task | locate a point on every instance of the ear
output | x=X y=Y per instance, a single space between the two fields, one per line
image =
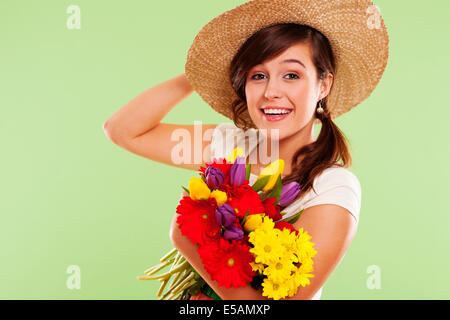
x=325 y=86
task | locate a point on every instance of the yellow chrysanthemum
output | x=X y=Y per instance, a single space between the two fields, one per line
x=280 y=271
x=288 y=238
x=289 y=241
x=284 y=257
x=302 y=278
x=305 y=250
x=267 y=224
x=274 y=290
x=306 y=266
x=267 y=247
x=292 y=286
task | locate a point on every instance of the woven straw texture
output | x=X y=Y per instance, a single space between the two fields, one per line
x=361 y=50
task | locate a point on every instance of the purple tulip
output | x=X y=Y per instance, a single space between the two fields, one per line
x=288 y=193
x=233 y=233
x=225 y=215
x=214 y=177
x=237 y=172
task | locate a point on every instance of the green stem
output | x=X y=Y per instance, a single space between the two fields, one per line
x=183 y=283
x=168 y=255
x=158 y=267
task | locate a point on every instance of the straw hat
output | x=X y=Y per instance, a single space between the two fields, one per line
x=354 y=28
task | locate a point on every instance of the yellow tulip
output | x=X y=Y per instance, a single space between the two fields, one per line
x=273 y=170
x=198 y=189
x=234 y=154
x=253 y=221
x=220 y=196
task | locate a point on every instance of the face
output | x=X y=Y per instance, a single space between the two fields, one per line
x=277 y=86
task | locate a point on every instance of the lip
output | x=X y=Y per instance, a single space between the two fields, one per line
x=276 y=107
x=275 y=118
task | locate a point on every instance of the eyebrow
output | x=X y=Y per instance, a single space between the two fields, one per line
x=293 y=61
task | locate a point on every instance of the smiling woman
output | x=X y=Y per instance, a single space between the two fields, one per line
x=278 y=92
x=278 y=74
x=281 y=74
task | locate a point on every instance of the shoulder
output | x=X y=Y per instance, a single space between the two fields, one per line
x=337 y=176
x=339 y=186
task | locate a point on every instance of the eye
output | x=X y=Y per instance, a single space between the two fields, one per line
x=255 y=75
x=296 y=76
x=260 y=74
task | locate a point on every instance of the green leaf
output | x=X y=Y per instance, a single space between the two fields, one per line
x=247 y=171
x=294 y=218
x=261 y=183
x=283 y=213
x=186 y=190
x=202 y=176
x=276 y=191
x=244 y=218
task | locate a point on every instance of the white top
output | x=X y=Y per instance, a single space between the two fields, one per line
x=335 y=185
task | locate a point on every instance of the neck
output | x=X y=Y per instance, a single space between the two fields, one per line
x=288 y=146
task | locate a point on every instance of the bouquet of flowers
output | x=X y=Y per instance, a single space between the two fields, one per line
x=240 y=232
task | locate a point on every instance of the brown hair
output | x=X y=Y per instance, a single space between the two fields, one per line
x=267 y=43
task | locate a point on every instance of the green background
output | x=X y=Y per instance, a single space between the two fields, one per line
x=72 y=197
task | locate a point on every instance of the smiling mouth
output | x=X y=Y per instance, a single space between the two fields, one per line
x=275 y=115
x=276 y=111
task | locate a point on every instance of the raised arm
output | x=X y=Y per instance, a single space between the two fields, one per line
x=146 y=111
x=137 y=127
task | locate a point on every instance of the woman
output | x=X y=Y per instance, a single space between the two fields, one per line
x=279 y=70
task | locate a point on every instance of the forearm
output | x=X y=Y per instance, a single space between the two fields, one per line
x=147 y=110
x=189 y=251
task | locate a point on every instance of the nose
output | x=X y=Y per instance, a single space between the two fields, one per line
x=272 y=90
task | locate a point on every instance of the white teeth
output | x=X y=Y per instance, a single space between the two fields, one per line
x=276 y=111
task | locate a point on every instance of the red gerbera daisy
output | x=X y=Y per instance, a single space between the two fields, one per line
x=227 y=262
x=197 y=219
x=272 y=210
